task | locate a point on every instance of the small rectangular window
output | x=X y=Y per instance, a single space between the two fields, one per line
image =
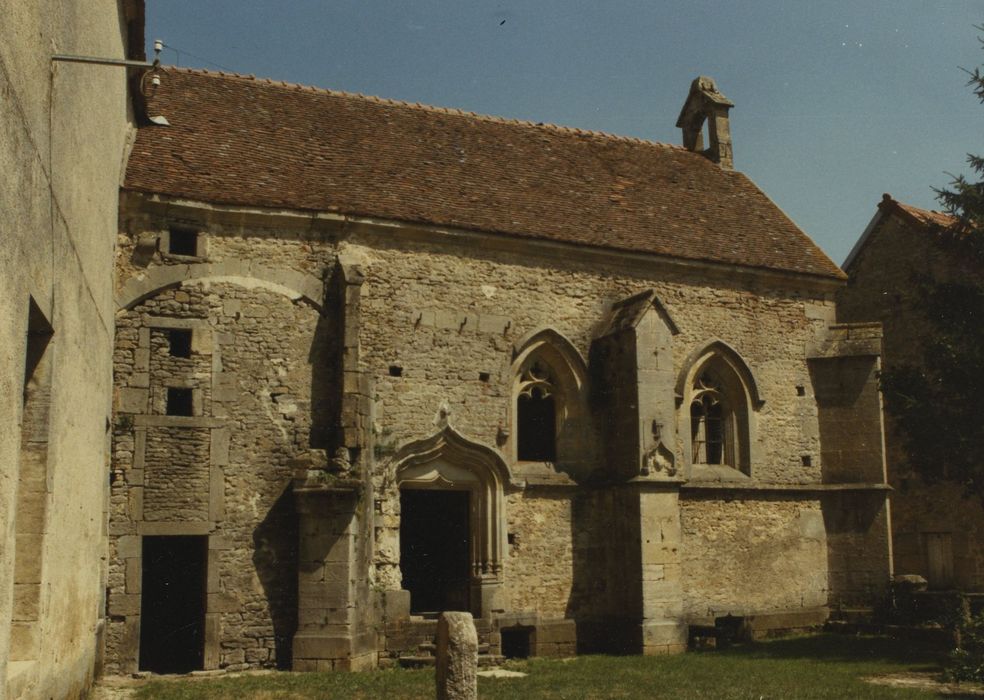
x=179 y=342
x=179 y=401
x=182 y=241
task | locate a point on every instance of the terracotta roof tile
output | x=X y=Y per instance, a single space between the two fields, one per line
x=934 y=219
x=241 y=141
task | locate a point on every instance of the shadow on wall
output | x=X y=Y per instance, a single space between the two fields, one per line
x=326 y=382
x=275 y=559
x=857 y=550
x=604 y=596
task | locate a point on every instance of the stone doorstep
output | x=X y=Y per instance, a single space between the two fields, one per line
x=756 y=626
x=855 y=615
x=424 y=633
x=798 y=619
x=431 y=648
x=423 y=661
x=557 y=637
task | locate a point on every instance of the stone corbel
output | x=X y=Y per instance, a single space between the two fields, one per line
x=315 y=473
x=659 y=460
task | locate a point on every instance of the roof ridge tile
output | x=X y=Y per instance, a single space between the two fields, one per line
x=454 y=111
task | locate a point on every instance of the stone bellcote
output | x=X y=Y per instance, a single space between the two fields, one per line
x=706 y=103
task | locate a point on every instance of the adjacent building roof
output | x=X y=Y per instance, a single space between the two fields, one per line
x=935 y=222
x=236 y=140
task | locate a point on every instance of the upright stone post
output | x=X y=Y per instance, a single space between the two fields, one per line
x=457 y=657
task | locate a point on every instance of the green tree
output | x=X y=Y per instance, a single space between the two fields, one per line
x=965 y=199
x=938 y=405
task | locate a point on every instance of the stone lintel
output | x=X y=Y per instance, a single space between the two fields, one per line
x=173 y=528
x=170 y=322
x=163 y=421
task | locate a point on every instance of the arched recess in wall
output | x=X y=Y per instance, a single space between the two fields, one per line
x=718 y=399
x=295 y=286
x=290 y=283
x=447 y=460
x=549 y=416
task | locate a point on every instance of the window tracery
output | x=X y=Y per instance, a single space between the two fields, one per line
x=711 y=430
x=537 y=414
x=549 y=428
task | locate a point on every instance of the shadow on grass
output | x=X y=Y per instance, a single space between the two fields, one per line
x=843 y=649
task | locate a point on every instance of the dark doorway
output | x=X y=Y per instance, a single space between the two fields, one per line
x=434 y=549
x=172 y=610
x=516 y=642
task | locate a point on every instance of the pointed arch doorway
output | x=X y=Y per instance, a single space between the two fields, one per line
x=451 y=523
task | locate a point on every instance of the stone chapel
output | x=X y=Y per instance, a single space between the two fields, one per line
x=376 y=360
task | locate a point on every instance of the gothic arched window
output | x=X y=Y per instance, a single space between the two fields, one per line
x=536 y=412
x=712 y=431
x=549 y=430
x=718 y=400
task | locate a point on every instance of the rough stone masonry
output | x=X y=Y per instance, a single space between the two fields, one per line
x=457 y=657
x=348 y=414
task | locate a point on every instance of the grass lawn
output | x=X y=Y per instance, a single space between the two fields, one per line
x=825 y=666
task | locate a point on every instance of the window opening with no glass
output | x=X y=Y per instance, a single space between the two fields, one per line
x=182 y=241
x=179 y=401
x=710 y=419
x=179 y=342
x=537 y=412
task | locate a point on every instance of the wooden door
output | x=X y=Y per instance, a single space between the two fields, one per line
x=939 y=559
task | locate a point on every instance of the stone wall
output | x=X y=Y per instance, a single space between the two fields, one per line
x=540 y=565
x=882 y=288
x=426 y=310
x=752 y=554
x=223 y=472
x=922 y=512
x=858 y=548
x=439 y=301
x=64 y=130
x=439 y=328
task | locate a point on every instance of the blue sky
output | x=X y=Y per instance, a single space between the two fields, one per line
x=836 y=101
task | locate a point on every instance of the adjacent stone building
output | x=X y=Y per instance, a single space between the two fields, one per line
x=64 y=128
x=937 y=530
x=377 y=360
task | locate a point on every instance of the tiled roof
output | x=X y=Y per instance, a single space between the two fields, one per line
x=935 y=220
x=237 y=140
